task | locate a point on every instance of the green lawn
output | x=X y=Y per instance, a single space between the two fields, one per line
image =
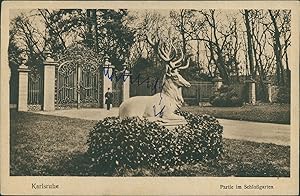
x=275 y=113
x=44 y=145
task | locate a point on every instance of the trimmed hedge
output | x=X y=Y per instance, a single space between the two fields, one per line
x=201 y=138
x=116 y=143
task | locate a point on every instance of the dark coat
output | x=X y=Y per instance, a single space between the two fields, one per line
x=108 y=97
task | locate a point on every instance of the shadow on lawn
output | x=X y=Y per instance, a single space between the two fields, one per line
x=77 y=165
x=80 y=165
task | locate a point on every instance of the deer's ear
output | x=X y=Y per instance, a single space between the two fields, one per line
x=168 y=71
x=168 y=74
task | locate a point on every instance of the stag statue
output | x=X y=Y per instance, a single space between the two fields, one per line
x=163 y=104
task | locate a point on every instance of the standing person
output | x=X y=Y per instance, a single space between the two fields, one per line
x=108 y=98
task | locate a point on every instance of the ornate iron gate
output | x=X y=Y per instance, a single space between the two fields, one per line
x=35 y=88
x=78 y=80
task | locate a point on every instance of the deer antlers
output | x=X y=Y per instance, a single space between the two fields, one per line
x=165 y=53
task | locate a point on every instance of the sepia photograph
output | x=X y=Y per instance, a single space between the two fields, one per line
x=127 y=92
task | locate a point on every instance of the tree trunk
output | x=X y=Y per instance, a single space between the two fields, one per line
x=223 y=72
x=288 y=71
x=277 y=51
x=198 y=53
x=96 y=30
x=183 y=33
x=89 y=36
x=249 y=40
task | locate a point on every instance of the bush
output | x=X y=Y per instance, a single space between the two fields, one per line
x=283 y=95
x=225 y=97
x=134 y=143
x=201 y=138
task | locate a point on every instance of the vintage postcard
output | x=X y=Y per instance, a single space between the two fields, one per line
x=149 y=98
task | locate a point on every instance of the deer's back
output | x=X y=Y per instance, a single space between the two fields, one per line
x=135 y=106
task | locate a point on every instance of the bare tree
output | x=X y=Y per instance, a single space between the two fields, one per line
x=24 y=36
x=280 y=21
x=152 y=24
x=28 y=35
x=187 y=23
x=182 y=21
x=219 y=38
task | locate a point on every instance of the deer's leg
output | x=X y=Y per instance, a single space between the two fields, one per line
x=172 y=116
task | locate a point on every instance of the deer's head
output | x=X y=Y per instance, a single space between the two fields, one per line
x=168 y=54
x=173 y=74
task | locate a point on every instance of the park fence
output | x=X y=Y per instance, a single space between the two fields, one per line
x=198 y=92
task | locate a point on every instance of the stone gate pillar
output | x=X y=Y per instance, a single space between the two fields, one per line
x=49 y=83
x=126 y=84
x=251 y=91
x=108 y=69
x=23 y=83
